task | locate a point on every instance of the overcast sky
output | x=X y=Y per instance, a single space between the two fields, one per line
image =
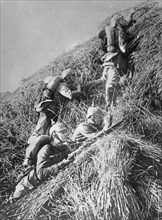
x=33 y=33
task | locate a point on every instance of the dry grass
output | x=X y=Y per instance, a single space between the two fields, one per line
x=106 y=180
x=118 y=177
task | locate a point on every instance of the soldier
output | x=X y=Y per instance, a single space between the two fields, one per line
x=56 y=92
x=115 y=38
x=96 y=124
x=50 y=159
x=112 y=79
x=68 y=77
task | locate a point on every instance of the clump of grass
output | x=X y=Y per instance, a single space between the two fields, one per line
x=105 y=181
x=147 y=81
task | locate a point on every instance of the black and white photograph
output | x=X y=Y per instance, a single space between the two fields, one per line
x=81 y=110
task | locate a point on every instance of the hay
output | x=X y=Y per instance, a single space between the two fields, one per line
x=119 y=176
x=108 y=184
x=147 y=81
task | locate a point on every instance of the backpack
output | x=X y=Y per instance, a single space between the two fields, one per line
x=111 y=36
x=51 y=84
x=33 y=149
x=116 y=36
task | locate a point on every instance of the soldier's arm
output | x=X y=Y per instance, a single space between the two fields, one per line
x=48 y=166
x=87 y=132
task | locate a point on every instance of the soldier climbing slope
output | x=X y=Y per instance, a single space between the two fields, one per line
x=112 y=79
x=115 y=38
x=56 y=92
x=95 y=125
x=48 y=162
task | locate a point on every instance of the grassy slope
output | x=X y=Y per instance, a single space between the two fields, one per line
x=119 y=176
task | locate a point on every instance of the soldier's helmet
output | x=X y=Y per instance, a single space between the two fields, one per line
x=94 y=111
x=58 y=127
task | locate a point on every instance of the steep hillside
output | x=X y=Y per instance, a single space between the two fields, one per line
x=119 y=176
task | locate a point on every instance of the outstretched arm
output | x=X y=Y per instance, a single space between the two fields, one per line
x=47 y=161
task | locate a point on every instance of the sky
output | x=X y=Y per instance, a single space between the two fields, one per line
x=35 y=32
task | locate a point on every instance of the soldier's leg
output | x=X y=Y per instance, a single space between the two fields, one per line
x=42 y=124
x=109 y=97
x=20 y=190
x=41 y=127
x=115 y=95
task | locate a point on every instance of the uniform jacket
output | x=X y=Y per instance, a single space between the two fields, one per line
x=48 y=157
x=55 y=100
x=84 y=131
x=47 y=165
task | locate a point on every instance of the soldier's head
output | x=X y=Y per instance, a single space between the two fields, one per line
x=95 y=115
x=67 y=75
x=59 y=132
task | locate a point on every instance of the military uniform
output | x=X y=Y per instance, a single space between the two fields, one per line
x=48 y=108
x=84 y=131
x=111 y=78
x=48 y=158
x=47 y=165
x=96 y=124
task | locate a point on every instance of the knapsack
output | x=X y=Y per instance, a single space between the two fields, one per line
x=51 y=84
x=112 y=39
x=116 y=35
x=33 y=149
